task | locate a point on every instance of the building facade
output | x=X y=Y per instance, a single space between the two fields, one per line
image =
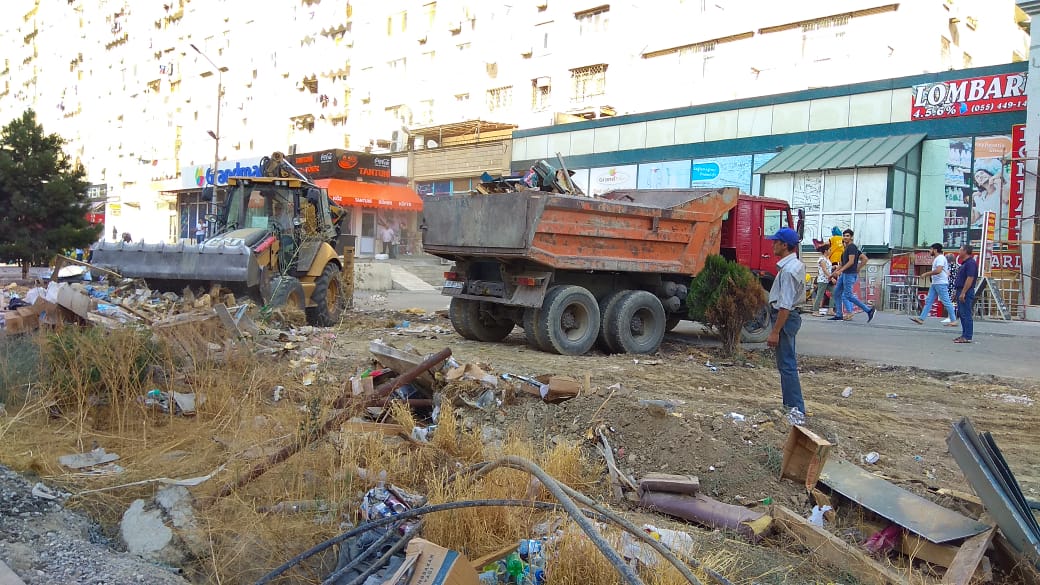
x=904 y=162
x=143 y=91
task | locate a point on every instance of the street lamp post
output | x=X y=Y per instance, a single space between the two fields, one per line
x=220 y=95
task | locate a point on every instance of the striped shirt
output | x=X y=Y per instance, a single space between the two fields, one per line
x=788 y=290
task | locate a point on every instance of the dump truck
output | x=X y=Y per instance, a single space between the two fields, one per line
x=276 y=239
x=574 y=271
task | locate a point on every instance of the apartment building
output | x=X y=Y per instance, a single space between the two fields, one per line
x=136 y=87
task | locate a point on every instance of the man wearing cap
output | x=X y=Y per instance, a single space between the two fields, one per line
x=787 y=292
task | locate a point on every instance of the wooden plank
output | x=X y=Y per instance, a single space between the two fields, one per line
x=836 y=551
x=968 y=558
x=371 y=427
x=225 y=318
x=917 y=547
x=8 y=577
x=1012 y=561
x=492 y=557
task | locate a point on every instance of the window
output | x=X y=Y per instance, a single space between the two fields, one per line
x=696 y=60
x=967 y=60
x=397 y=23
x=772 y=221
x=430 y=13
x=541 y=91
x=824 y=38
x=462 y=98
x=540 y=42
x=462 y=47
x=398 y=66
x=588 y=82
x=593 y=21
x=400 y=113
x=425 y=112
x=499 y=98
x=946 y=60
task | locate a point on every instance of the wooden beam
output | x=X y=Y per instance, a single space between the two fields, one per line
x=492 y=557
x=836 y=551
x=968 y=558
x=1012 y=561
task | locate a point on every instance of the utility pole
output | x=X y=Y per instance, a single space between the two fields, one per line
x=220 y=97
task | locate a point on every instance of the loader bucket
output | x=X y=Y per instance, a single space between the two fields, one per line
x=226 y=259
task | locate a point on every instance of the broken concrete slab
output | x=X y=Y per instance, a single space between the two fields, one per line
x=93 y=458
x=147 y=536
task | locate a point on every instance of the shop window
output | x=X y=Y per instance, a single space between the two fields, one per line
x=463 y=185
x=838 y=187
x=433 y=187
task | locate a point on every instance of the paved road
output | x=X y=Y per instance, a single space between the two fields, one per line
x=1000 y=348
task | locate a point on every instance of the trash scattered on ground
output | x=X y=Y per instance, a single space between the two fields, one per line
x=872 y=457
x=816 y=516
x=846 y=392
x=1013 y=399
x=90 y=459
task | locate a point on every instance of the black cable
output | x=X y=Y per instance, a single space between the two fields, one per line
x=378 y=544
x=414 y=513
x=383 y=560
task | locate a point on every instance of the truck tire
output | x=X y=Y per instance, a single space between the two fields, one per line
x=327 y=297
x=530 y=325
x=607 y=311
x=569 y=320
x=672 y=322
x=477 y=322
x=757 y=329
x=637 y=323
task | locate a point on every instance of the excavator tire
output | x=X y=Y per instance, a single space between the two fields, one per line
x=328 y=299
x=286 y=290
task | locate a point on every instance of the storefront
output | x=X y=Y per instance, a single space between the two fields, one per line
x=191 y=209
x=903 y=162
x=377 y=208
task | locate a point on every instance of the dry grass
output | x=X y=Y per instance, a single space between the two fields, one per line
x=97 y=378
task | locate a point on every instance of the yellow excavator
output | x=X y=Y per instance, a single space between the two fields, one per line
x=277 y=240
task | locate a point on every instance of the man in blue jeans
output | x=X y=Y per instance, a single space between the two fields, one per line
x=787 y=292
x=967 y=275
x=940 y=287
x=845 y=280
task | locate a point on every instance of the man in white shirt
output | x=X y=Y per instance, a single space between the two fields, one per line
x=785 y=295
x=940 y=288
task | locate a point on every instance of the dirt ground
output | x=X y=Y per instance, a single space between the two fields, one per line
x=903 y=414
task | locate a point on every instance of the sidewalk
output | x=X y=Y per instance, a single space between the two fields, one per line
x=901 y=321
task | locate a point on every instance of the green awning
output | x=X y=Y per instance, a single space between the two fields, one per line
x=843 y=154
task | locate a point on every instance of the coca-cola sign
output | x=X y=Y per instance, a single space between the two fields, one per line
x=990 y=94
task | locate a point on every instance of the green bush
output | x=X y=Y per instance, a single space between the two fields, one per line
x=725 y=295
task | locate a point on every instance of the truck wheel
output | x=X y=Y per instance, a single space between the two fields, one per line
x=569 y=320
x=531 y=317
x=672 y=322
x=459 y=320
x=478 y=321
x=637 y=323
x=757 y=329
x=328 y=299
x=607 y=312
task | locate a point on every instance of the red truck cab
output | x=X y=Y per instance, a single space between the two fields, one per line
x=744 y=232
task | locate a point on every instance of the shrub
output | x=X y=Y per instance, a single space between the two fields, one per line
x=725 y=295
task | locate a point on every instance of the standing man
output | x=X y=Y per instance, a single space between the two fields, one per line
x=967 y=275
x=845 y=278
x=787 y=292
x=940 y=274
x=200 y=231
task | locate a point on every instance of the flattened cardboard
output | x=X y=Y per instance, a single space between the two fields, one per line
x=429 y=564
x=560 y=388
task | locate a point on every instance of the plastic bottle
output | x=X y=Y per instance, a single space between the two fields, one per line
x=515 y=568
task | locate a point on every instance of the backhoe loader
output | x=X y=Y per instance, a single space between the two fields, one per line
x=277 y=240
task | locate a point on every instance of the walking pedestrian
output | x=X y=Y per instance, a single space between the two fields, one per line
x=845 y=278
x=823 y=278
x=967 y=276
x=785 y=295
x=940 y=287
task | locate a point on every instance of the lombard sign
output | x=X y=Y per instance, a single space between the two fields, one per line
x=968 y=97
x=343 y=164
x=202 y=175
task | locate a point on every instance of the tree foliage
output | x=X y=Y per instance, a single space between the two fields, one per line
x=43 y=196
x=725 y=295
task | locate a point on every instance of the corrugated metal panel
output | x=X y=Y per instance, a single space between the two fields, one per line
x=844 y=154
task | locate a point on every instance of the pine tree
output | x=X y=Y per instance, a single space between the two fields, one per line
x=43 y=196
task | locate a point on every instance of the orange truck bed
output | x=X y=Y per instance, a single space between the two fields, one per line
x=668 y=231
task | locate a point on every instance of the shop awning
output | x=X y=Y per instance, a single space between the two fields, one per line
x=843 y=154
x=371 y=195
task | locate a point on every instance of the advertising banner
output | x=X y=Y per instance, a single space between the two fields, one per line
x=1018 y=184
x=722 y=171
x=343 y=164
x=665 y=175
x=989 y=94
x=606 y=179
x=991 y=188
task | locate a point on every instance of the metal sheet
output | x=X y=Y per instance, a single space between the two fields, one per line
x=916 y=514
x=978 y=464
x=843 y=154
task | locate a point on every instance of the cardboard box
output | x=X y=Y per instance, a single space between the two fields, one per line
x=13 y=323
x=805 y=454
x=560 y=388
x=429 y=564
x=49 y=313
x=30 y=318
